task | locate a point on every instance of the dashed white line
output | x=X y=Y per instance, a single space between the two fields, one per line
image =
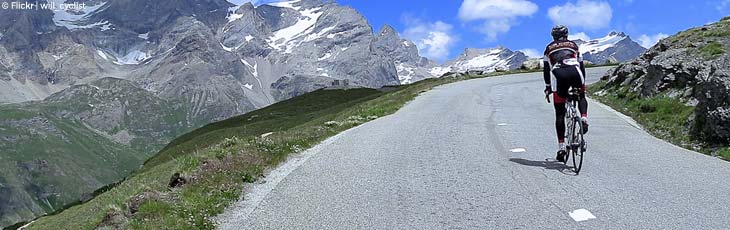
x=581 y=215
x=518 y=150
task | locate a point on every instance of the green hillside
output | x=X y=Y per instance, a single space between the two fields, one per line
x=58 y=151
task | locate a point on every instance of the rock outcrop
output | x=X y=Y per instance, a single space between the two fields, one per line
x=693 y=66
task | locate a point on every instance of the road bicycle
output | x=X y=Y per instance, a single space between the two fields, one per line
x=575 y=142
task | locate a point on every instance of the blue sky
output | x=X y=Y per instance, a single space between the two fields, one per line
x=442 y=29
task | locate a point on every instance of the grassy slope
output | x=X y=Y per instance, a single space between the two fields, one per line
x=663 y=116
x=219 y=158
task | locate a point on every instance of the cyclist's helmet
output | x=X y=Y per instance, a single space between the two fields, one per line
x=559 y=32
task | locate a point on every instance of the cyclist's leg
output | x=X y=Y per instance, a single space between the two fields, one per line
x=578 y=81
x=559 y=105
x=561 y=90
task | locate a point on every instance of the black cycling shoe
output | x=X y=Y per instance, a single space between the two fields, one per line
x=561 y=156
x=585 y=127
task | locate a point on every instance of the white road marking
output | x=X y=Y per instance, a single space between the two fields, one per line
x=581 y=215
x=518 y=150
x=502 y=124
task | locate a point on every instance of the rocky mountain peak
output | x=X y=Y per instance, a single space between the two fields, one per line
x=246 y=7
x=388 y=31
x=618 y=34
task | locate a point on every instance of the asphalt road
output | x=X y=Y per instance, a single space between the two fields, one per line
x=444 y=161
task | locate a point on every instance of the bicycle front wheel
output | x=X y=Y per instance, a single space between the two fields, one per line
x=577 y=146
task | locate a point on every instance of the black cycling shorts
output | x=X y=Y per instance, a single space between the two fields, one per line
x=566 y=77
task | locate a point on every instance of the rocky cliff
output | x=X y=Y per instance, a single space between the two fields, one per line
x=692 y=66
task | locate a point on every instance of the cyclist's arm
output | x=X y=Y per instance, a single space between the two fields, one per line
x=546 y=71
x=583 y=71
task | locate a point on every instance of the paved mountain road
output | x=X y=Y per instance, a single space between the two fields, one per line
x=444 y=161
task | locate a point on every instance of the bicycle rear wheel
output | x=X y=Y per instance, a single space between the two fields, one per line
x=577 y=146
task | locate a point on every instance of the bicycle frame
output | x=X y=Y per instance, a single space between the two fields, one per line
x=571 y=118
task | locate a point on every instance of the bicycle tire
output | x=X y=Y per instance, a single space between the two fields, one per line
x=578 y=152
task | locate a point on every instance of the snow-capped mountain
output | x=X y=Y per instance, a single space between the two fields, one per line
x=272 y=52
x=488 y=60
x=613 y=48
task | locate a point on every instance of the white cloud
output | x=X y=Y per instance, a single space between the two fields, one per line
x=722 y=5
x=582 y=36
x=647 y=41
x=498 y=16
x=533 y=53
x=584 y=14
x=434 y=40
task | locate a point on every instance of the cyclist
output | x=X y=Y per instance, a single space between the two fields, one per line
x=563 y=68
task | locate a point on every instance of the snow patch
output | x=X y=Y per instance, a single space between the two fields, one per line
x=102 y=55
x=282 y=39
x=134 y=57
x=438 y=71
x=77 y=19
x=335 y=34
x=321 y=33
x=326 y=56
x=405 y=73
x=287 y=4
x=248 y=86
x=232 y=15
x=144 y=36
x=229 y=49
x=248 y=38
x=253 y=69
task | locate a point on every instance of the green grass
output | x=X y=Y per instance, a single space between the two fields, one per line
x=725 y=154
x=712 y=49
x=221 y=157
x=664 y=117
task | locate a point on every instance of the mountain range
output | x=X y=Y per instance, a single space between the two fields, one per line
x=88 y=95
x=616 y=47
